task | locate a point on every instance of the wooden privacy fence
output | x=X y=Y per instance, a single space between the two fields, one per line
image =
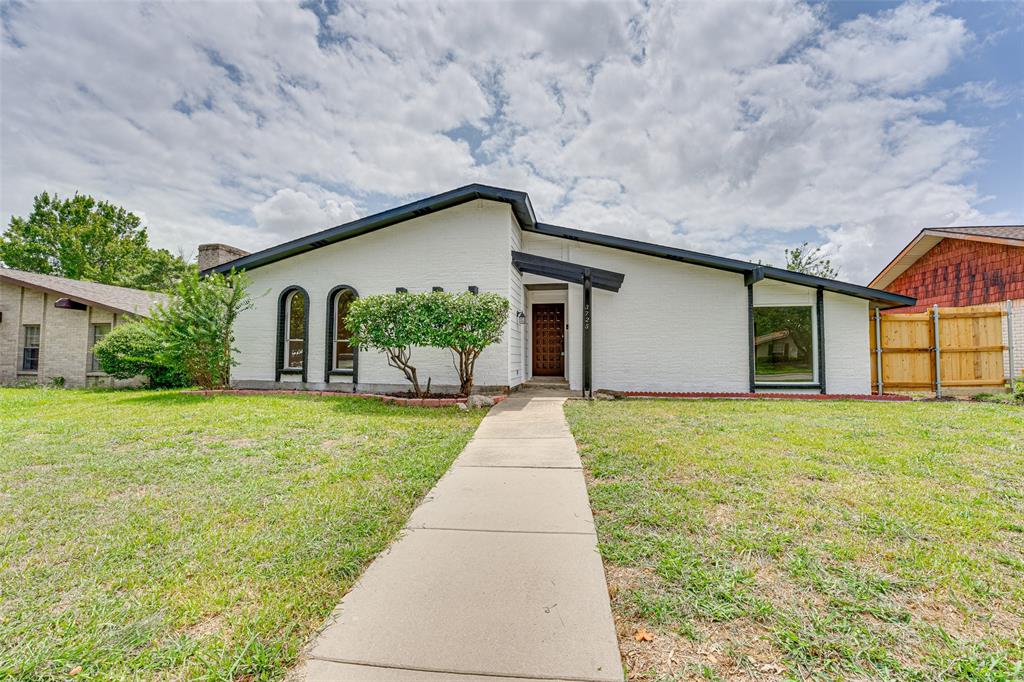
x=969 y=349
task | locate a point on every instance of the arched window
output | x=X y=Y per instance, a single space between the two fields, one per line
x=342 y=357
x=292 y=332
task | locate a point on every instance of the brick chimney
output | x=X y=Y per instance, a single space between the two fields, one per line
x=212 y=255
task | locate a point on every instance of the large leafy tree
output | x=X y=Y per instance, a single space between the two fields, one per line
x=810 y=261
x=84 y=238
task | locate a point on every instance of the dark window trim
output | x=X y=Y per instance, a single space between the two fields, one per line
x=22 y=366
x=282 y=324
x=819 y=342
x=329 y=369
x=92 y=359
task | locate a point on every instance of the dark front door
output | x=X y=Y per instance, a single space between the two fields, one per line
x=548 y=339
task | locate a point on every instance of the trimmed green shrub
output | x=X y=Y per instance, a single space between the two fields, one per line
x=464 y=323
x=133 y=349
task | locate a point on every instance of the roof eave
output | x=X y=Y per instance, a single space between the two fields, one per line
x=752 y=271
x=519 y=201
x=81 y=299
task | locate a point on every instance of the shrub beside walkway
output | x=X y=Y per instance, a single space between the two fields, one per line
x=497 y=572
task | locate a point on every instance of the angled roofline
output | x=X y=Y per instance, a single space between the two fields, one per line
x=520 y=202
x=897 y=266
x=523 y=211
x=5 y=276
x=752 y=272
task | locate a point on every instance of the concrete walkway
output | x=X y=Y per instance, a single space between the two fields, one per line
x=496 y=577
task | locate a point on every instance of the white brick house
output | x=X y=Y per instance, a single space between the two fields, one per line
x=48 y=326
x=595 y=311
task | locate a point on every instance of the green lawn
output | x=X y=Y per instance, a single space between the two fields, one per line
x=799 y=539
x=158 y=535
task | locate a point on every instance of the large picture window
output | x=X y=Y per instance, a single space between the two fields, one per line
x=784 y=349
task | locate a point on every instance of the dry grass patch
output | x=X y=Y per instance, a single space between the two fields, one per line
x=840 y=540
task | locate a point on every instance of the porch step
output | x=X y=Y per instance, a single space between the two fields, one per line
x=554 y=384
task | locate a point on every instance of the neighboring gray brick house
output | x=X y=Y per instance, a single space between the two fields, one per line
x=49 y=324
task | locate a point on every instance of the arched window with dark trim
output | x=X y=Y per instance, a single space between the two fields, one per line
x=292 y=331
x=341 y=356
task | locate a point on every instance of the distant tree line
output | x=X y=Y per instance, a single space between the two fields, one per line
x=84 y=238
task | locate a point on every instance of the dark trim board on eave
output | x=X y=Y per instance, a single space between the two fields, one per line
x=547 y=286
x=522 y=209
x=752 y=272
x=519 y=201
x=567 y=272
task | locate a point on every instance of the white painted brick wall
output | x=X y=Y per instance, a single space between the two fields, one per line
x=516 y=373
x=1016 y=327
x=671 y=327
x=847 y=344
x=462 y=246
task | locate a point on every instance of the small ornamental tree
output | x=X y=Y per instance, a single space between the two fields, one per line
x=465 y=324
x=393 y=324
x=196 y=327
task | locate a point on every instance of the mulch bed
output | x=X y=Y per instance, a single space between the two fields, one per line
x=390 y=399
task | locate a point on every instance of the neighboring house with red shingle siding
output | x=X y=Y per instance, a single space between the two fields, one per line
x=954 y=267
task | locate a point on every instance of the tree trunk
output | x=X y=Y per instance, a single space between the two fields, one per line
x=399 y=359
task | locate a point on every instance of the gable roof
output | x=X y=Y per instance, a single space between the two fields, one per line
x=523 y=211
x=119 y=299
x=928 y=238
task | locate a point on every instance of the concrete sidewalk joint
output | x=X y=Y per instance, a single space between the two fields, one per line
x=496 y=576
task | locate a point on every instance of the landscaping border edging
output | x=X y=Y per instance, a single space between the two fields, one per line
x=887 y=397
x=389 y=399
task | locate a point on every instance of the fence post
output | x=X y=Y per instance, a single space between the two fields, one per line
x=878 y=350
x=1009 y=343
x=938 y=353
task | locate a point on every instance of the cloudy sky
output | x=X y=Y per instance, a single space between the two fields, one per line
x=732 y=128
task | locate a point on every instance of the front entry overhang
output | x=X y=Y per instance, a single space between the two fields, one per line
x=576 y=274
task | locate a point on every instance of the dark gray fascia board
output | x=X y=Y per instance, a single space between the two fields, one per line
x=645 y=248
x=523 y=211
x=567 y=272
x=752 y=272
x=519 y=201
x=883 y=299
